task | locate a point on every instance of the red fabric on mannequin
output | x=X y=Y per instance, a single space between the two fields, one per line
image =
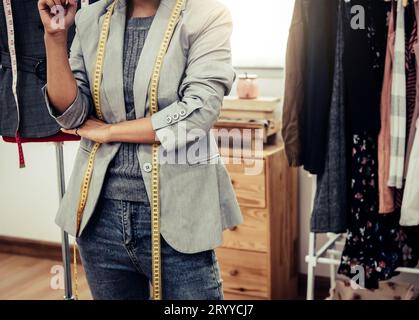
x=59 y=137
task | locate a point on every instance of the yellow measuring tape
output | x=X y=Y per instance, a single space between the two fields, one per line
x=153 y=98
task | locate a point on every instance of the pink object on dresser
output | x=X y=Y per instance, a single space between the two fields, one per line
x=247 y=87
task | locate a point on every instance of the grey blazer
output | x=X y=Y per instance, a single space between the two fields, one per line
x=197 y=197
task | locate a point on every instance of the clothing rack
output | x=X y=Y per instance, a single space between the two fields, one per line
x=329 y=255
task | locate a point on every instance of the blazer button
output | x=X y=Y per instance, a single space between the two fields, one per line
x=148 y=167
x=169 y=119
x=182 y=112
x=176 y=116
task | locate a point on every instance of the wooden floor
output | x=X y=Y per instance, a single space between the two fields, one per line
x=26 y=278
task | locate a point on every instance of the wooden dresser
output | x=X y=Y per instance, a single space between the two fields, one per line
x=259 y=259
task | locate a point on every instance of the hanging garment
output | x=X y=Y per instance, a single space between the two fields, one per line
x=398 y=104
x=35 y=121
x=411 y=76
x=410 y=207
x=374 y=242
x=386 y=193
x=329 y=213
x=410 y=25
x=411 y=39
x=322 y=22
x=415 y=114
x=294 y=84
x=364 y=59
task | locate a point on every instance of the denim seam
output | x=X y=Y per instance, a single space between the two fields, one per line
x=131 y=254
x=216 y=276
x=129 y=247
x=124 y=226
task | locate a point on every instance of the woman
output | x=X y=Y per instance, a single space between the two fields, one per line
x=196 y=196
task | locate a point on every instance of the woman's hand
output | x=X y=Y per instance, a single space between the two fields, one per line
x=138 y=131
x=94 y=130
x=57 y=15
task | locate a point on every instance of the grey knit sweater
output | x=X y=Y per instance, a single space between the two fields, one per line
x=124 y=180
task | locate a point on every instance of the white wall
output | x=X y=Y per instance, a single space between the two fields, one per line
x=29 y=197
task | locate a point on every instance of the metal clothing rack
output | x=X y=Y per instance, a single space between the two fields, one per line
x=65 y=248
x=329 y=255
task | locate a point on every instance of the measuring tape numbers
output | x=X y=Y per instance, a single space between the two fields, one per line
x=11 y=43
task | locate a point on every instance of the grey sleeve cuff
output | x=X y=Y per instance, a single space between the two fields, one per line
x=176 y=112
x=74 y=116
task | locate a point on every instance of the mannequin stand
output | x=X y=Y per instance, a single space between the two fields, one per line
x=65 y=248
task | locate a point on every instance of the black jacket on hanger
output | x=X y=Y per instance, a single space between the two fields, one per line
x=321 y=44
x=31 y=59
x=363 y=59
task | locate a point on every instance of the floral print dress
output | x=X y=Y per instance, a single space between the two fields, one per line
x=375 y=242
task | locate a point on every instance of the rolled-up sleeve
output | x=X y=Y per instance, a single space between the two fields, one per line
x=209 y=76
x=82 y=107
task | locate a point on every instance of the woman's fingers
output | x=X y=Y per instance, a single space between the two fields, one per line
x=44 y=7
x=89 y=124
x=71 y=131
x=92 y=129
x=72 y=7
x=49 y=9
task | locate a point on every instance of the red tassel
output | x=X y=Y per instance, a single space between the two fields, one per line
x=20 y=151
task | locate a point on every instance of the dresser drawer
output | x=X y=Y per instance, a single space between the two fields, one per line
x=250 y=188
x=252 y=234
x=244 y=272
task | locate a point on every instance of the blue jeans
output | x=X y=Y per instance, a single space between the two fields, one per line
x=116 y=254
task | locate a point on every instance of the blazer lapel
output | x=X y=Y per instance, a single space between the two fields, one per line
x=149 y=54
x=113 y=64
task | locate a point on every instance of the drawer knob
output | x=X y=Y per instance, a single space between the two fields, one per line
x=233 y=182
x=233 y=229
x=234 y=273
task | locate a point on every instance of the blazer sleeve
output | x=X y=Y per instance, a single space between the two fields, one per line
x=82 y=107
x=209 y=76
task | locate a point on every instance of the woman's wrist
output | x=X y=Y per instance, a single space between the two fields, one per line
x=133 y=131
x=59 y=38
x=111 y=133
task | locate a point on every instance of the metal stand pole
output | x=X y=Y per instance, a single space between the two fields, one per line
x=332 y=267
x=311 y=259
x=311 y=266
x=64 y=236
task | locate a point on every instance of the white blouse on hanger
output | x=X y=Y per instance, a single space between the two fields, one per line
x=410 y=207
